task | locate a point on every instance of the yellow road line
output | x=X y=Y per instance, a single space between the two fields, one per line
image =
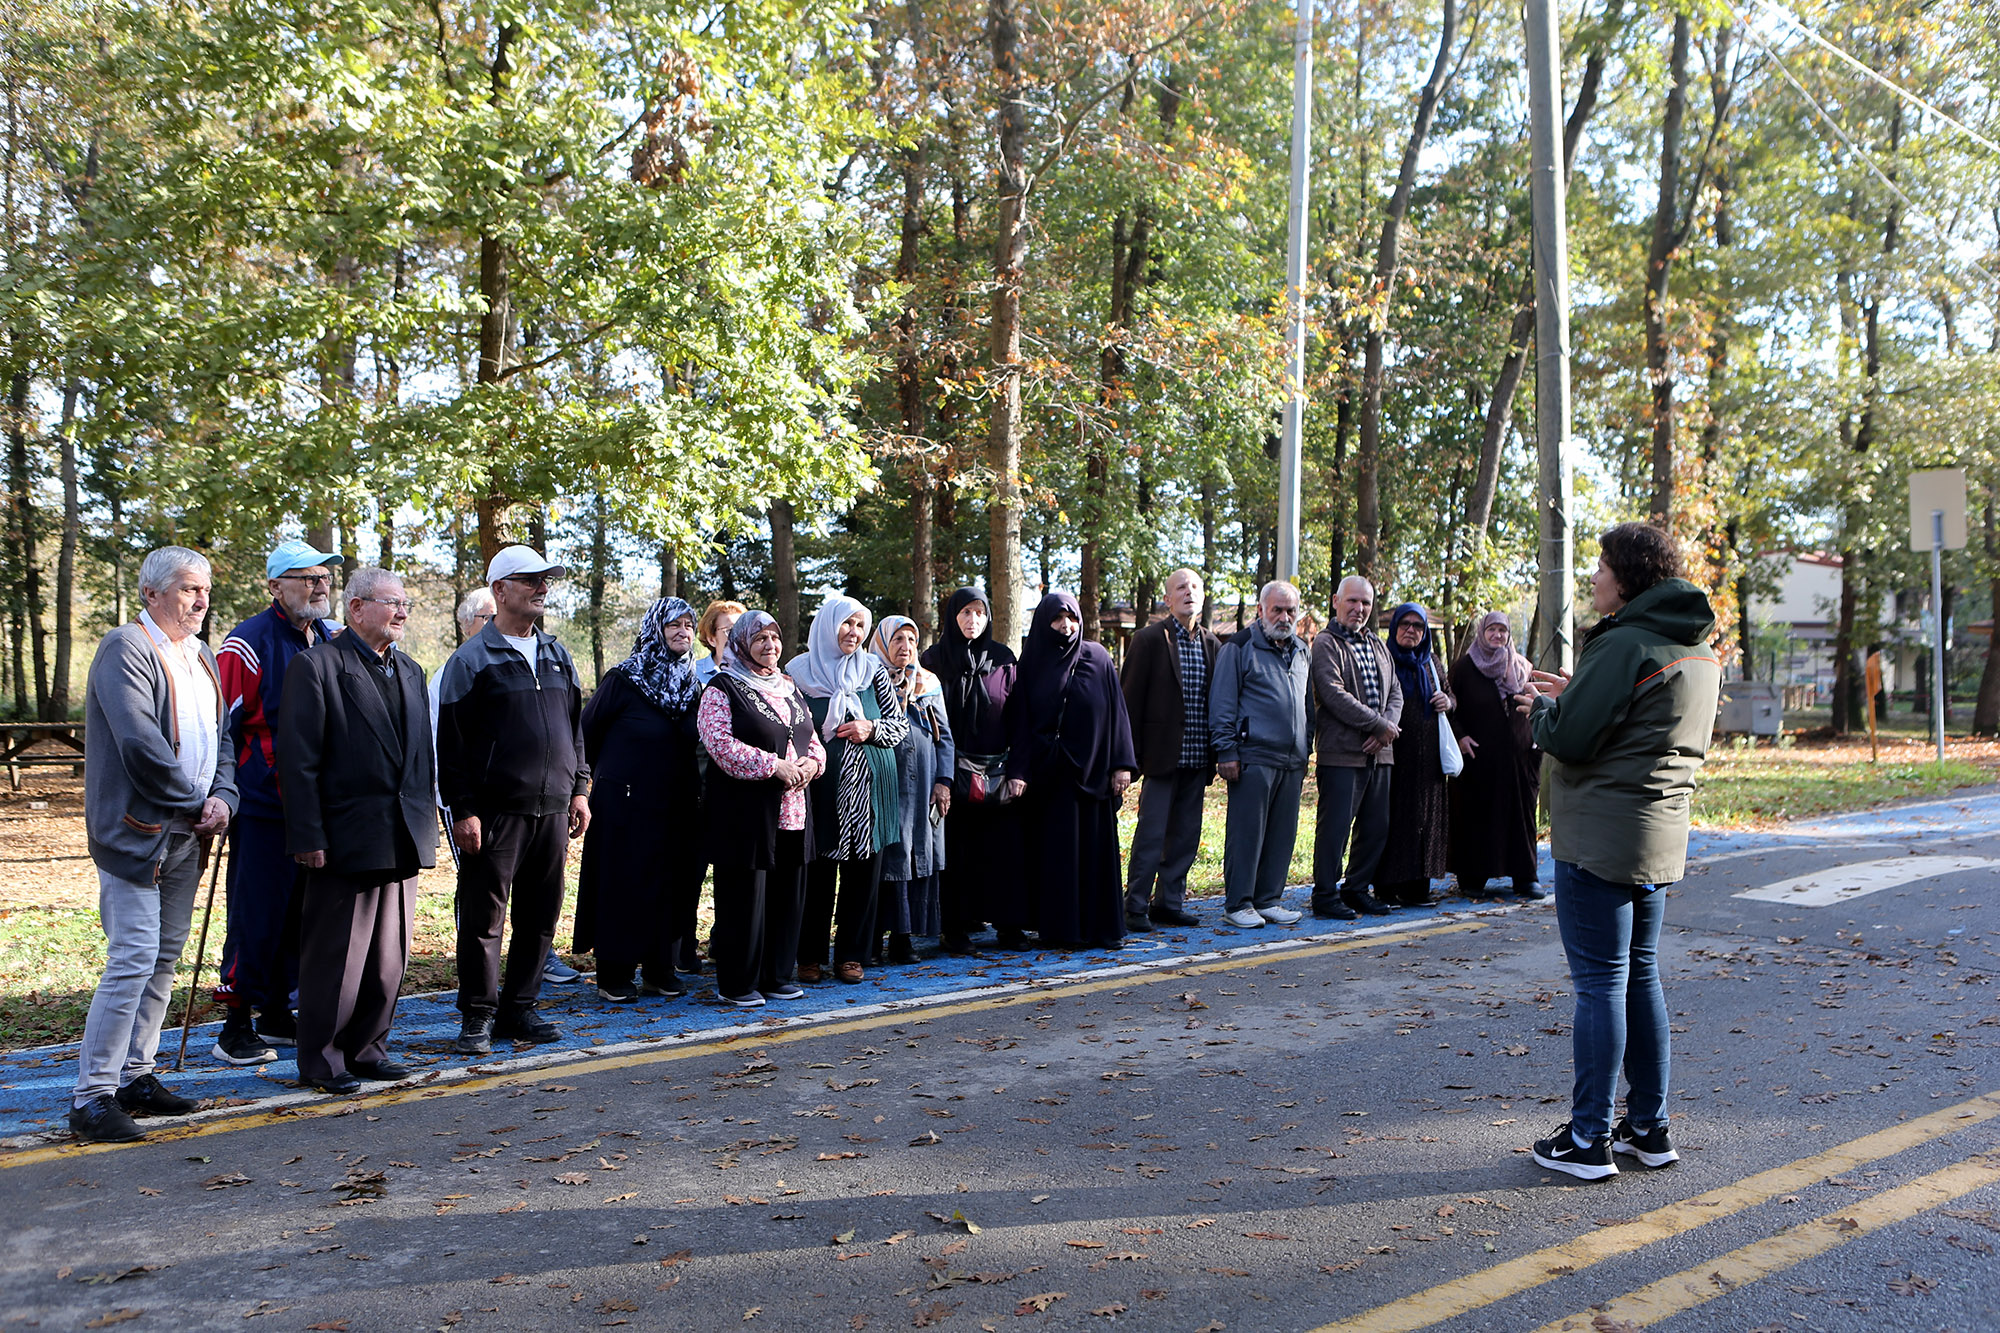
x=1477 y=1290
x=1794 y=1245
x=587 y=1064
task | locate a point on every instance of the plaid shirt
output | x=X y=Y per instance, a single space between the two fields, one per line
x=1194 y=696
x=1365 y=661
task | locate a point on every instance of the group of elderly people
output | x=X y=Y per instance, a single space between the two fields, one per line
x=848 y=800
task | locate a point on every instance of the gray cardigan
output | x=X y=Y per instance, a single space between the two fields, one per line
x=133 y=785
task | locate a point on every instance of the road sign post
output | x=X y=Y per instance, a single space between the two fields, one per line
x=1937 y=523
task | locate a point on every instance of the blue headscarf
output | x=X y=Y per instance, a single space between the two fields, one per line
x=1416 y=668
x=662 y=675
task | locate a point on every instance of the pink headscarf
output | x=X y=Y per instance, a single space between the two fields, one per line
x=1503 y=666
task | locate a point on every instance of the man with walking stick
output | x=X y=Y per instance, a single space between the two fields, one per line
x=159 y=785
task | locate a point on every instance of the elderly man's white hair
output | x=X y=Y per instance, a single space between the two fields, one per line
x=1277 y=585
x=479 y=602
x=162 y=569
x=363 y=584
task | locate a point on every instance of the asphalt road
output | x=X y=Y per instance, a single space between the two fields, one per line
x=1328 y=1133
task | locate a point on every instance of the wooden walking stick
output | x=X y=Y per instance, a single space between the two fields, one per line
x=200 y=948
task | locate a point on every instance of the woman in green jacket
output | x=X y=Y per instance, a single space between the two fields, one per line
x=1627 y=732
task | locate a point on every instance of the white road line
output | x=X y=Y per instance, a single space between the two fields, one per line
x=1839 y=884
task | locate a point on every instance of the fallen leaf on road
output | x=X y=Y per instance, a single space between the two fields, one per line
x=612 y=1305
x=572 y=1178
x=148 y=1190
x=1344 y=1266
x=1200 y=1222
x=1266 y=1235
x=1037 y=1303
x=1604 y=1323
x=225 y=1180
x=109 y=1318
x=1910 y=1284
x=934 y=1313
x=926 y=1139
x=677 y=1257
x=1230 y=1272
x=515 y=1207
x=620 y=1198
x=837 y=1156
x=1085 y=1244
x=106 y=1279
x=1114 y=1308
x=752 y=1313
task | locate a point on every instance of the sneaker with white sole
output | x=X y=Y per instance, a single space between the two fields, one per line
x=785 y=990
x=1559 y=1152
x=555 y=972
x=1653 y=1148
x=1247 y=918
x=747 y=1000
x=1279 y=916
x=238 y=1042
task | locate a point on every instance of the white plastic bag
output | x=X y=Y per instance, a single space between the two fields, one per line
x=1449 y=754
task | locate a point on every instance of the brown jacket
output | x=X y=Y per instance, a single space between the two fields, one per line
x=1151 y=682
x=1343 y=718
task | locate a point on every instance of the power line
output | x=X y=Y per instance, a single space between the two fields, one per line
x=1867 y=159
x=1880 y=78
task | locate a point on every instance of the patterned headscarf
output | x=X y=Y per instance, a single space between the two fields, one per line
x=662 y=675
x=1505 y=667
x=822 y=671
x=912 y=682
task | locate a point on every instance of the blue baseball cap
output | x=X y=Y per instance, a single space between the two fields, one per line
x=292 y=555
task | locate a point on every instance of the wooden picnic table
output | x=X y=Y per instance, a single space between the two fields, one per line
x=17 y=738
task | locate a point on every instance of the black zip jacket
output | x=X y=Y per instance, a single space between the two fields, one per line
x=510 y=737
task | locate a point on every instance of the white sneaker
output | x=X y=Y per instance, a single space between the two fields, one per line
x=1248 y=918
x=1279 y=916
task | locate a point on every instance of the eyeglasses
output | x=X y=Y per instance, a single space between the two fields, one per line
x=317 y=580
x=393 y=603
x=532 y=580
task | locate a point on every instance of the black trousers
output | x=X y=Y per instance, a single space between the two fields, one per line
x=520 y=858
x=646 y=924
x=355 y=943
x=755 y=942
x=1352 y=801
x=853 y=922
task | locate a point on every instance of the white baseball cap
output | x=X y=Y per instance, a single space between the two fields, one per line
x=514 y=560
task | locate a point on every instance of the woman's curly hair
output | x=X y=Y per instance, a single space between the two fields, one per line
x=1639 y=555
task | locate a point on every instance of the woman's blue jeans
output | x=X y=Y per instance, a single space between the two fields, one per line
x=1611 y=933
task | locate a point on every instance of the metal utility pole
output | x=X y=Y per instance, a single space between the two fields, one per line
x=1555 y=644
x=1937 y=637
x=1295 y=299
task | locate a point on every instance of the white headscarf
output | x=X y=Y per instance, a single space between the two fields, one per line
x=822 y=671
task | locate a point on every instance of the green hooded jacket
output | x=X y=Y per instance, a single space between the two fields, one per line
x=1628 y=734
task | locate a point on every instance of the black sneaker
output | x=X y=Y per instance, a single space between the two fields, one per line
x=475 y=1036
x=616 y=992
x=1652 y=1148
x=279 y=1027
x=1559 y=1152
x=239 y=1044
x=146 y=1095
x=103 y=1120
x=672 y=988
x=783 y=990
x=524 y=1025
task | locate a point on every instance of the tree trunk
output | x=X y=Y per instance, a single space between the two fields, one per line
x=1520 y=335
x=670 y=571
x=1986 y=711
x=1010 y=257
x=1367 y=461
x=600 y=560
x=910 y=392
x=1659 y=268
x=23 y=505
x=72 y=527
x=495 y=318
x=785 y=569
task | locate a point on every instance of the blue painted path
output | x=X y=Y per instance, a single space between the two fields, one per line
x=35 y=1084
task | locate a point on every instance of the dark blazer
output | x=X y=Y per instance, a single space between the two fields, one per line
x=355 y=783
x=1152 y=685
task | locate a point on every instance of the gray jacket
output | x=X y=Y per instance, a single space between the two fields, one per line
x=1257 y=701
x=1345 y=721
x=133 y=786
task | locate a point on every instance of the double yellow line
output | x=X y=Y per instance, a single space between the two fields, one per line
x=1682 y=1291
